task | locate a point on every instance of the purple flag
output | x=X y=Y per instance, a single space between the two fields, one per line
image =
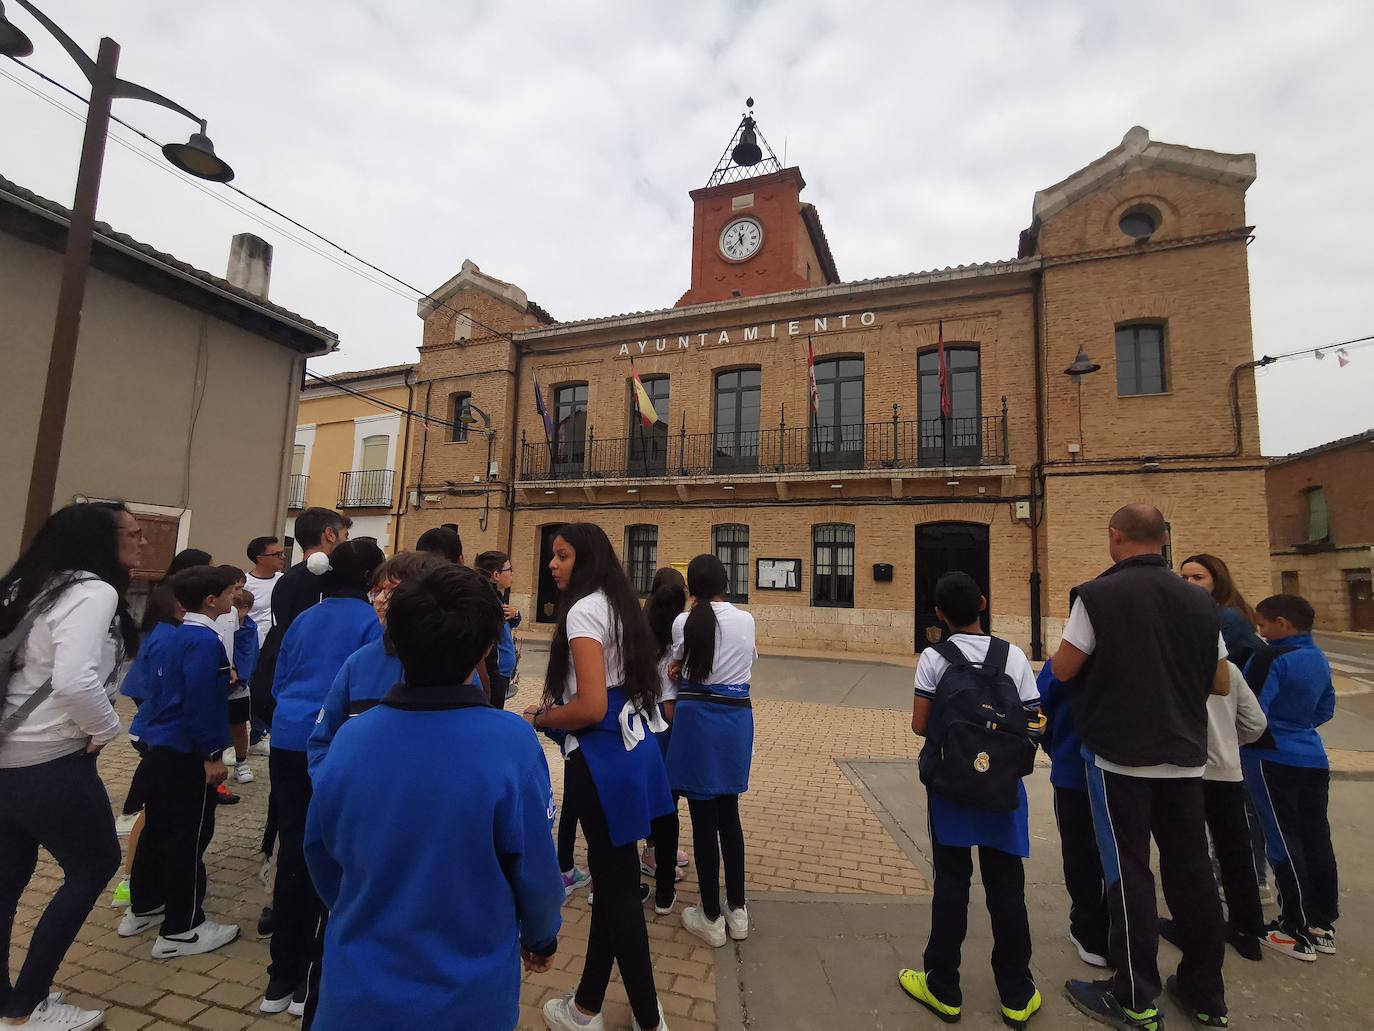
x=543 y=412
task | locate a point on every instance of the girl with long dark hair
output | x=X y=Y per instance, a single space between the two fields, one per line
x=661 y=859
x=713 y=743
x=65 y=597
x=1237 y=617
x=601 y=691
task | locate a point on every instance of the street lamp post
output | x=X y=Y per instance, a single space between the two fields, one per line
x=195 y=157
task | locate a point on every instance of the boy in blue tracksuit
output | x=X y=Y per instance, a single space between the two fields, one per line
x=312 y=652
x=1288 y=777
x=182 y=721
x=1089 y=918
x=429 y=834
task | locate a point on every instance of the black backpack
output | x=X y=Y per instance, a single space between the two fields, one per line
x=980 y=741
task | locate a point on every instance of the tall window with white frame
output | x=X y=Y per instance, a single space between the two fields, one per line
x=832 y=565
x=732 y=548
x=1140 y=366
x=462 y=409
x=641 y=556
x=569 y=429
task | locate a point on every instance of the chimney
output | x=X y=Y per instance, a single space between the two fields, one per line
x=250 y=264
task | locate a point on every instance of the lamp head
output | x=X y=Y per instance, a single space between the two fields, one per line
x=197 y=157
x=1082 y=365
x=13 y=40
x=470 y=417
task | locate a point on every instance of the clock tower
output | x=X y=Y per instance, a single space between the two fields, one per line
x=752 y=233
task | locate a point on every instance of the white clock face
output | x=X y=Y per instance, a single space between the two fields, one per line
x=741 y=239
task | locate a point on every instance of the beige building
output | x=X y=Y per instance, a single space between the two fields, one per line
x=835 y=520
x=350 y=451
x=1321 y=529
x=183 y=401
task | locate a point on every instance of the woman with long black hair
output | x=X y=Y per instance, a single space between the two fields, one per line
x=661 y=859
x=65 y=598
x=601 y=690
x=713 y=743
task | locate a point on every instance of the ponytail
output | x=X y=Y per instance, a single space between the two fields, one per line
x=667 y=599
x=706 y=579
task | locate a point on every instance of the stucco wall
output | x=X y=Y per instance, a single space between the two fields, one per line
x=169 y=407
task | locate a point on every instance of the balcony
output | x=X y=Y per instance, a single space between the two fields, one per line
x=295 y=491
x=365 y=488
x=876 y=447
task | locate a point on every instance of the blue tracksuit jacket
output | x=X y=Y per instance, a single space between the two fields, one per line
x=1298 y=697
x=429 y=841
x=185 y=706
x=367 y=675
x=1060 y=741
x=151 y=652
x=246 y=649
x=313 y=651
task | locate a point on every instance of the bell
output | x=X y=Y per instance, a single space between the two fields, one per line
x=747 y=150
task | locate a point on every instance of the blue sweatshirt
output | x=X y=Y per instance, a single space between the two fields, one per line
x=1298 y=697
x=313 y=651
x=186 y=701
x=1060 y=740
x=151 y=652
x=246 y=649
x=429 y=839
x=505 y=651
x=367 y=675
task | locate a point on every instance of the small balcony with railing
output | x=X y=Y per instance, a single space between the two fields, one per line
x=295 y=491
x=366 y=488
x=859 y=450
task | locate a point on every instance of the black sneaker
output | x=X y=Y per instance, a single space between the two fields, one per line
x=644 y=892
x=1283 y=941
x=1095 y=999
x=223 y=796
x=267 y=923
x=1200 y=1018
x=1168 y=930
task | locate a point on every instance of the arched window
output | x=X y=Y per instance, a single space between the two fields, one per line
x=837 y=428
x=641 y=556
x=832 y=565
x=736 y=444
x=732 y=548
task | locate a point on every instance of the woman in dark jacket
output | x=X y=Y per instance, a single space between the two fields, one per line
x=1237 y=617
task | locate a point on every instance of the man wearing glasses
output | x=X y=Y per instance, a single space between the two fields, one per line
x=268 y=557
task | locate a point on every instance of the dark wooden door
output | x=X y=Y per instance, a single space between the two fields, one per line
x=1361 y=590
x=546 y=601
x=943 y=548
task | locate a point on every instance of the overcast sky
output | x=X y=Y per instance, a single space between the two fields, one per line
x=554 y=144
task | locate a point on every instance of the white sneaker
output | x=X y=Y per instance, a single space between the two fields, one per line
x=558 y=1017
x=136 y=923
x=276 y=1003
x=124 y=825
x=49 y=1015
x=662 y=1021
x=737 y=922
x=297 y=1007
x=665 y=910
x=244 y=773
x=712 y=932
x=1093 y=959
x=206 y=936
x=261 y=747
x=229 y=758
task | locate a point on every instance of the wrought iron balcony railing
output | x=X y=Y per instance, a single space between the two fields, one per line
x=898 y=444
x=365 y=488
x=295 y=490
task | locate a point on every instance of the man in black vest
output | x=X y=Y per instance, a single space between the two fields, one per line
x=1141 y=652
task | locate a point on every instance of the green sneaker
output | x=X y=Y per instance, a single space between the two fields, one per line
x=913 y=982
x=120 y=898
x=1095 y=998
x=1199 y=1018
x=1019 y=1018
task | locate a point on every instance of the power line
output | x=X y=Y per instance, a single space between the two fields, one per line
x=422 y=294
x=382 y=402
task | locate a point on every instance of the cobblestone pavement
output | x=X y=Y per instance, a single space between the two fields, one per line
x=808 y=828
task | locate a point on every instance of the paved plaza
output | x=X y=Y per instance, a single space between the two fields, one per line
x=838 y=883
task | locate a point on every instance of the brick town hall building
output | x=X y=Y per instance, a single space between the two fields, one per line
x=835 y=525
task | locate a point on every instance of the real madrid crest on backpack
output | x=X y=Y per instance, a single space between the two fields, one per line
x=980 y=740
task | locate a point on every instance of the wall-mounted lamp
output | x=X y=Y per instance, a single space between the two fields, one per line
x=1082 y=366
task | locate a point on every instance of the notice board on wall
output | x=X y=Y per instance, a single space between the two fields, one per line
x=778 y=574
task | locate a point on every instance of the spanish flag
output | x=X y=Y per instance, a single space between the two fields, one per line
x=644 y=404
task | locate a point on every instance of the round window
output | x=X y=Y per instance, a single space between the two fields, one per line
x=1140 y=223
